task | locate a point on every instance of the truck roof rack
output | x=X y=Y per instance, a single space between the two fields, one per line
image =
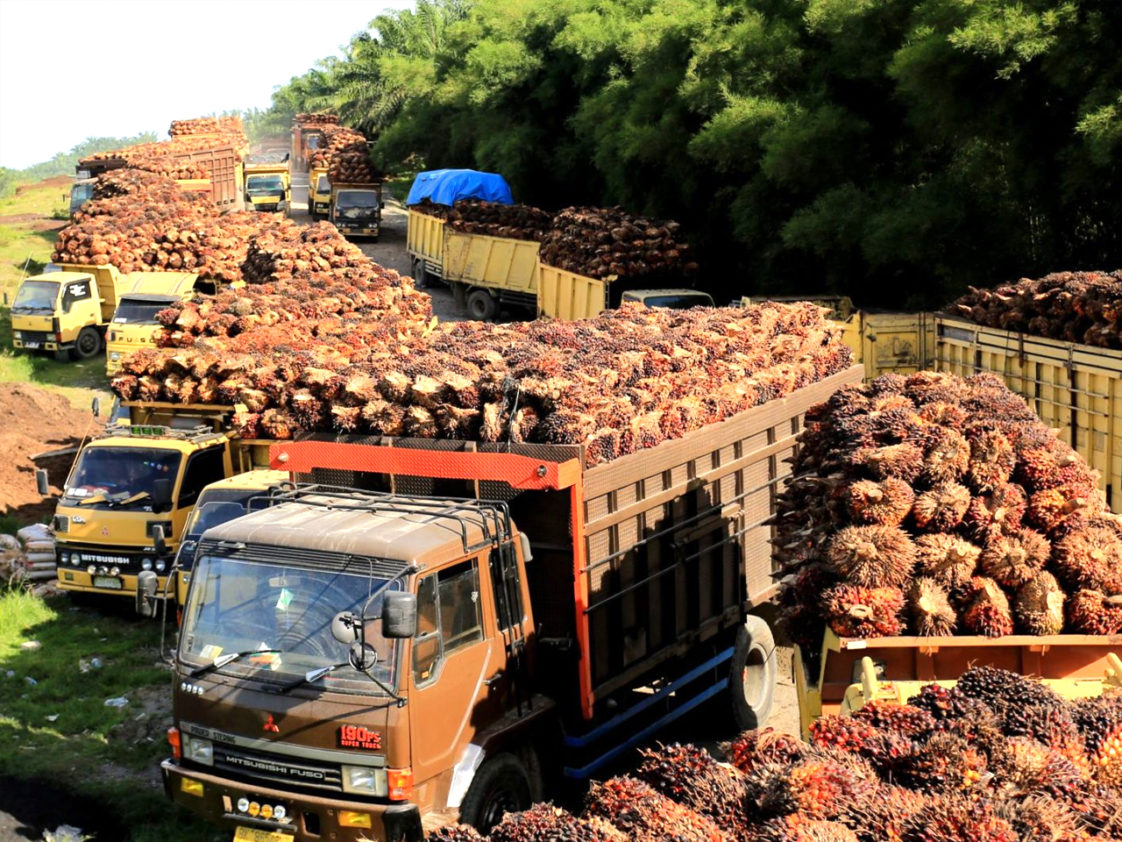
x=196 y=434
x=492 y=517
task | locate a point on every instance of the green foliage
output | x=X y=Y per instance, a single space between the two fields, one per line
x=64 y=163
x=894 y=150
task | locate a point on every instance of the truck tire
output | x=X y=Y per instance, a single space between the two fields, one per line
x=481 y=306
x=420 y=276
x=752 y=675
x=87 y=344
x=502 y=785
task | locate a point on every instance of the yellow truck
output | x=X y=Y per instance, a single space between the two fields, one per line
x=134 y=324
x=267 y=187
x=218 y=503
x=356 y=208
x=65 y=311
x=319 y=193
x=134 y=478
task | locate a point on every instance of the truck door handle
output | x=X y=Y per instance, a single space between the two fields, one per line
x=494 y=679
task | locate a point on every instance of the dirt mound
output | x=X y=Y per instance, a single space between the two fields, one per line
x=34 y=421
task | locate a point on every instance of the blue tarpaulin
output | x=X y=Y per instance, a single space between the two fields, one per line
x=446 y=186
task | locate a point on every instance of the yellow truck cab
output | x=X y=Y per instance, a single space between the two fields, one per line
x=356 y=209
x=319 y=193
x=220 y=502
x=66 y=310
x=134 y=324
x=267 y=187
x=133 y=478
x=81 y=191
x=674 y=299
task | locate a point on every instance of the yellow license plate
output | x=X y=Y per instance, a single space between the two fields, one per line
x=252 y=834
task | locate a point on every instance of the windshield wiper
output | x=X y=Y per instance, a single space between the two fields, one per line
x=311 y=675
x=228 y=658
x=122 y=498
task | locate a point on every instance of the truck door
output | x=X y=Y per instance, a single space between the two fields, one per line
x=203 y=468
x=78 y=306
x=456 y=652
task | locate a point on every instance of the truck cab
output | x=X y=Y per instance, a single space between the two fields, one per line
x=134 y=324
x=131 y=479
x=81 y=191
x=267 y=187
x=343 y=651
x=319 y=193
x=64 y=311
x=218 y=503
x=356 y=209
x=674 y=299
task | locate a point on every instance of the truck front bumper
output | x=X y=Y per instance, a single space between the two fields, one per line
x=307 y=818
x=36 y=340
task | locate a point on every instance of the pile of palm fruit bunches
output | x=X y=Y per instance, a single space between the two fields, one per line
x=934 y=505
x=997 y=758
x=1083 y=307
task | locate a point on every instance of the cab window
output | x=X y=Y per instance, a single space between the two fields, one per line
x=77 y=291
x=203 y=468
x=448 y=617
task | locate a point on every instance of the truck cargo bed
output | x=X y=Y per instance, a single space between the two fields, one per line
x=636 y=561
x=1073 y=387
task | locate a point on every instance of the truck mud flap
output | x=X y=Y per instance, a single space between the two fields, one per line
x=403 y=824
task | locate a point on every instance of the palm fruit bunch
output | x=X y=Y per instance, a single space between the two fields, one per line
x=354 y=350
x=690 y=776
x=645 y=815
x=455 y=833
x=1081 y=307
x=519 y=222
x=935 y=505
x=610 y=243
x=546 y=823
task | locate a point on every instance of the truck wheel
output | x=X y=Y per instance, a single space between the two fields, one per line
x=502 y=785
x=481 y=306
x=420 y=276
x=752 y=675
x=87 y=344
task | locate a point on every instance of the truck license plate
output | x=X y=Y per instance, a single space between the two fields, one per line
x=252 y=834
x=111 y=582
x=30 y=344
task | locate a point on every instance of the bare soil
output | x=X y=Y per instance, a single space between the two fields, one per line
x=34 y=421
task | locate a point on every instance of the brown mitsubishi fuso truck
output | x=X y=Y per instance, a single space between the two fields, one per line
x=426 y=631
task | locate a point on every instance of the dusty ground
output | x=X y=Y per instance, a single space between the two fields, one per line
x=34 y=421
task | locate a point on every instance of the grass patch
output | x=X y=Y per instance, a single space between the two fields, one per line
x=56 y=728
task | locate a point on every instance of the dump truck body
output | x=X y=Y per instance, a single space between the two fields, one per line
x=134 y=324
x=1075 y=388
x=267 y=187
x=134 y=477
x=65 y=310
x=1075 y=665
x=642 y=573
x=222 y=164
x=356 y=209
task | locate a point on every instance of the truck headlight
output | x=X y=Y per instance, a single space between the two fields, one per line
x=64 y=558
x=199 y=750
x=364 y=779
x=146 y=564
x=114 y=356
x=160 y=565
x=17 y=335
x=92 y=570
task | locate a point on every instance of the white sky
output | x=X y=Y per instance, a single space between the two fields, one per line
x=72 y=69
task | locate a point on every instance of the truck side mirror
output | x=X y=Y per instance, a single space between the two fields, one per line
x=42 y=484
x=161 y=493
x=146 y=585
x=159 y=542
x=95 y=407
x=399 y=615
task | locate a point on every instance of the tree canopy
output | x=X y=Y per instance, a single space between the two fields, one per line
x=893 y=150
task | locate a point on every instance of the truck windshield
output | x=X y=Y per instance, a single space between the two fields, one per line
x=80 y=193
x=240 y=605
x=132 y=311
x=265 y=184
x=675 y=301
x=323 y=185
x=36 y=295
x=117 y=473
x=365 y=199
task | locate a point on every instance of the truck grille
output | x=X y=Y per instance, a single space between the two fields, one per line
x=266 y=767
x=36 y=336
